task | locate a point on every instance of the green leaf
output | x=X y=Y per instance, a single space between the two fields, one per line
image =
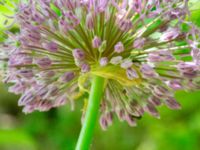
x=17 y=139
x=194 y=6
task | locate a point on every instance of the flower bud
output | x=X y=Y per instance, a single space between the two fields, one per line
x=53 y=90
x=109 y=117
x=68 y=76
x=103 y=122
x=78 y=54
x=170 y=34
x=131 y=73
x=154 y=100
x=18 y=88
x=120 y=114
x=44 y=62
x=175 y=84
x=136 y=5
x=96 y=42
x=160 y=91
x=51 y=46
x=148 y=71
x=28 y=74
x=131 y=120
x=127 y=63
x=124 y=24
x=152 y=110
x=172 y=103
x=85 y=68
x=188 y=69
x=139 y=43
x=61 y=100
x=160 y=56
x=116 y=60
x=26 y=98
x=90 y=21
x=47 y=74
x=119 y=47
x=103 y=61
x=28 y=109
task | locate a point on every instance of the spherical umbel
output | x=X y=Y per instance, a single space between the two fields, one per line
x=139 y=47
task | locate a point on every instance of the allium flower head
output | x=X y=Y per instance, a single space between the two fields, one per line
x=146 y=50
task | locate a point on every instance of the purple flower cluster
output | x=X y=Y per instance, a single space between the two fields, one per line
x=146 y=50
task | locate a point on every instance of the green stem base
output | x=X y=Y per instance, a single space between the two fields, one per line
x=91 y=115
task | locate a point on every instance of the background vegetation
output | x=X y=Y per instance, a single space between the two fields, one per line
x=58 y=129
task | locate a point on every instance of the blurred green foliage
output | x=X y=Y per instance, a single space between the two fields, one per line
x=58 y=129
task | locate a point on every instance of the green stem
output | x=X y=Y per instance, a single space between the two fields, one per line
x=91 y=115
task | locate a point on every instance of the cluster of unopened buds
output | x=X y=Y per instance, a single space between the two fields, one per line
x=145 y=49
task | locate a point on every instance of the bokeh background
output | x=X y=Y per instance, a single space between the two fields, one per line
x=58 y=129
